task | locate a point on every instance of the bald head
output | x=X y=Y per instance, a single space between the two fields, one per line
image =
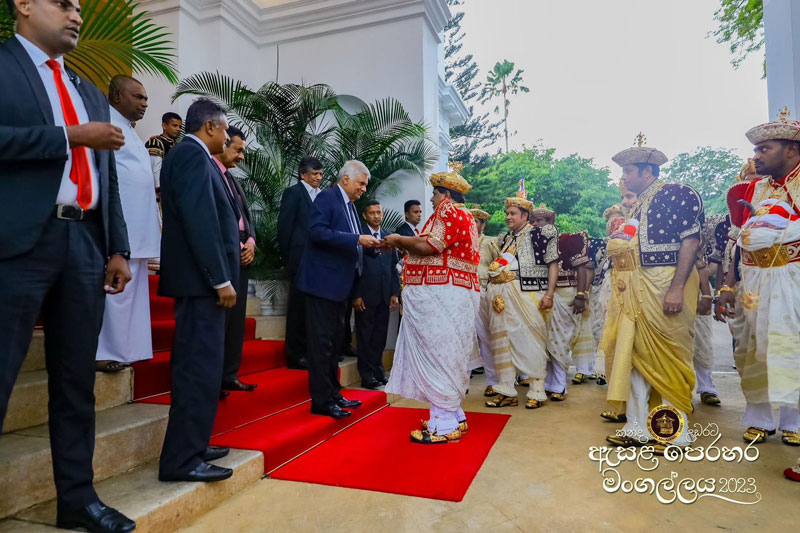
x=128 y=96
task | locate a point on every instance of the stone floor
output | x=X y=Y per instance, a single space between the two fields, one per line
x=539 y=477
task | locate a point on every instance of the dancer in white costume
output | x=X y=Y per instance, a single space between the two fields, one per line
x=441 y=295
x=487 y=246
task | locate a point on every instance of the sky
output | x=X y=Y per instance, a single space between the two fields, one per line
x=600 y=71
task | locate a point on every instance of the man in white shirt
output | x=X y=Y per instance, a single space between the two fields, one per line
x=126 y=334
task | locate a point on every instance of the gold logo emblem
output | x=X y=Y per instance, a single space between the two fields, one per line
x=498 y=304
x=665 y=423
x=621 y=286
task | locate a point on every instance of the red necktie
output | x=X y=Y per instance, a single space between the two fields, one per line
x=416 y=231
x=80 y=172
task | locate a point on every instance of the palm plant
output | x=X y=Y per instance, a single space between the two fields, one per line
x=289 y=122
x=501 y=81
x=114 y=40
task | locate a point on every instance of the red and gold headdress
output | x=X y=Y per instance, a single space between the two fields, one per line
x=452 y=180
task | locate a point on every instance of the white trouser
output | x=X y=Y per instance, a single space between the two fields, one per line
x=585 y=365
x=759 y=415
x=638 y=410
x=535 y=391
x=704 y=381
x=556 y=378
x=443 y=421
x=485 y=349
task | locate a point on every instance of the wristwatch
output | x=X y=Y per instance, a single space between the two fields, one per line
x=125 y=255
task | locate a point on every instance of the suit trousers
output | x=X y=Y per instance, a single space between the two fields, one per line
x=372 y=325
x=196 y=366
x=325 y=324
x=61 y=278
x=296 y=344
x=234 y=331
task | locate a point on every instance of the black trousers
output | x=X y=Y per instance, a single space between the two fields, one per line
x=61 y=278
x=296 y=344
x=324 y=322
x=372 y=325
x=234 y=331
x=196 y=365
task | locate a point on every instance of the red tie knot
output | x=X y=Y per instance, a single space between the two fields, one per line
x=53 y=64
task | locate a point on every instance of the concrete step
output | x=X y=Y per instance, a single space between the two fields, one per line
x=164 y=507
x=27 y=406
x=253 y=306
x=270 y=327
x=35 y=358
x=126 y=437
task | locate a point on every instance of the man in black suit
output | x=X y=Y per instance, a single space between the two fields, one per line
x=200 y=256
x=330 y=265
x=413 y=210
x=63 y=239
x=293 y=219
x=229 y=158
x=375 y=295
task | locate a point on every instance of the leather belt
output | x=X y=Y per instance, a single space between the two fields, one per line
x=69 y=212
x=777 y=255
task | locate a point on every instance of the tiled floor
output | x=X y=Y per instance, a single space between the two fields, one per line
x=538 y=477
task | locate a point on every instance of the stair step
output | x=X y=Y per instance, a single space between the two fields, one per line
x=290 y=433
x=27 y=406
x=126 y=436
x=164 y=507
x=18 y=526
x=270 y=327
x=253 y=306
x=35 y=358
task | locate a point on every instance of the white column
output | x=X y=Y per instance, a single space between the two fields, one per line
x=782 y=32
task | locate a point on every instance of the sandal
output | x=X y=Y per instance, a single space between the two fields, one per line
x=709 y=398
x=601 y=380
x=462 y=426
x=426 y=437
x=558 y=396
x=791 y=438
x=614 y=417
x=579 y=378
x=533 y=404
x=502 y=401
x=623 y=441
x=757 y=435
x=489 y=392
x=110 y=367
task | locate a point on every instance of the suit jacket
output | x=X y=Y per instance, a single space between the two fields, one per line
x=405 y=230
x=244 y=212
x=33 y=152
x=328 y=268
x=293 y=221
x=379 y=280
x=200 y=236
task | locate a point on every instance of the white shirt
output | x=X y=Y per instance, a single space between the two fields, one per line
x=208 y=153
x=354 y=225
x=413 y=228
x=312 y=192
x=136 y=192
x=68 y=192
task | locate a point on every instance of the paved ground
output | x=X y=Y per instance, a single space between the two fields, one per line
x=539 y=477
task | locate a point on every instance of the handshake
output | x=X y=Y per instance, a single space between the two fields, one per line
x=391 y=241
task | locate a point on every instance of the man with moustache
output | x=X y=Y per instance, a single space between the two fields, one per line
x=63 y=239
x=655 y=288
x=126 y=334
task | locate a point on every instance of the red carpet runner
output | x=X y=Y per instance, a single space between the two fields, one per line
x=274 y=418
x=376 y=454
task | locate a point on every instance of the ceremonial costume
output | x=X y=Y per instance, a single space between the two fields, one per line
x=768 y=358
x=652 y=351
x=487 y=247
x=437 y=335
x=518 y=281
x=126 y=333
x=158 y=146
x=569 y=335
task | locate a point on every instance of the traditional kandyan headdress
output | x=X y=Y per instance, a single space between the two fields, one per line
x=783 y=128
x=543 y=211
x=521 y=199
x=479 y=214
x=640 y=154
x=452 y=180
x=616 y=208
x=748 y=169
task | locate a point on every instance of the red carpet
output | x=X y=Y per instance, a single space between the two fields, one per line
x=357 y=458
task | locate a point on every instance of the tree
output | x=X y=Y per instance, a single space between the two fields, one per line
x=460 y=69
x=114 y=40
x=289 y=122
x=572 y=186
x=501 y=81
x=741 y=25
x=711 y=171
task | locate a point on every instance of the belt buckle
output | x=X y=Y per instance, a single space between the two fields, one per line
x=69 y=212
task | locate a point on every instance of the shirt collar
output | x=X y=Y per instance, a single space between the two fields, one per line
x=36 y=54
x=219 y=164
x=201 y=143
x=344 y=194
x=117 y=118
x=308 y=187
x=410 y=225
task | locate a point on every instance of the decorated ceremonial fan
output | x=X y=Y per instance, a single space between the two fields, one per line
x=738 y=211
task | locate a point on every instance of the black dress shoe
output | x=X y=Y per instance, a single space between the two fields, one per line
x=239 y=386
x=203 y=472
x=370 y=384
x=223 y=394
x=333 y=411
x=95 y=517
x=215 y=452
x=382 y=379
x=344 y=403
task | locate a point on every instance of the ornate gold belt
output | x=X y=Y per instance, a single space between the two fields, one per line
x=776 y=255
x=503 y=277
x=626 y=261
